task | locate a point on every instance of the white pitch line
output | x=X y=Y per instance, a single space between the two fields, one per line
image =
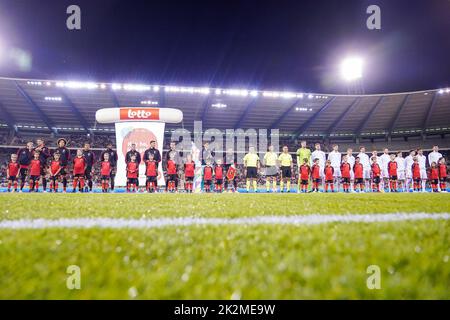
x=310 y=219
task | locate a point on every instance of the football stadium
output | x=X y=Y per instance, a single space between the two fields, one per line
x=150 y=190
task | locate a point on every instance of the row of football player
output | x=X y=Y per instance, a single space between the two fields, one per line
x=348 y=176
x=271 y=162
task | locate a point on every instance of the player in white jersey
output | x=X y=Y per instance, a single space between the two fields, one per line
x=409 y=160
x=435 y=156
x=319 y=154
x=401 y=167
x=384 y=160
x=364 y=160
x=351 y=161
x=335 y=158
x=423 y=168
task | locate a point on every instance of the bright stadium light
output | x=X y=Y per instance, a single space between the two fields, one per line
x=351 y=68
x=53 y=99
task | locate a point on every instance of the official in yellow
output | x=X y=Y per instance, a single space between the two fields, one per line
x=287 y=166
x=251 y=164
x=270 y=163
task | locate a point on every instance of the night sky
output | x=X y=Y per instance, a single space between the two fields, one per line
x=283 y=45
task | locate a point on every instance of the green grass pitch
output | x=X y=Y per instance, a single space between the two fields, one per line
x=326 y=261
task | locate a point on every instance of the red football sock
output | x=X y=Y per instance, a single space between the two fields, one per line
x=81 y=183
x=9 y=185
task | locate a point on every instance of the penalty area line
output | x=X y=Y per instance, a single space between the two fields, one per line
x=309 y=219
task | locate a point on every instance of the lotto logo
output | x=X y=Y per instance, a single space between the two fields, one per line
x=139 y=114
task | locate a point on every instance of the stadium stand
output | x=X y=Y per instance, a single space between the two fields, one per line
x=69 y=107
x=31 y=108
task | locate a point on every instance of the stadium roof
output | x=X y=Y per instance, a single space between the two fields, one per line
x=68 y=106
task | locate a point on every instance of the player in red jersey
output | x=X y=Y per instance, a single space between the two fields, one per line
x=12 y=172
x=105 y=172
x=24 y=157
x=315 y=175
x=218 y=175
x=208 y=173
x=35 y=172
x=443 y=174
x=375 y=174
x=152 y=174
x=132 y=174
x=346 y=172
x=329 y=176
x=393 y=175
x=416 y=174
x=79 y=167
x=434 y=176
x=189 y=173
x=358 y=170
x=172 y=175
x=54 y=170
x=304 y=172
x=231 y=177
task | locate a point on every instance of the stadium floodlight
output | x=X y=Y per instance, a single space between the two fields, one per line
x=116 y=86
x=219 y=105
x=287 y=95
x=218 y=92
x=34 y=83
x=254 y=93
x=351 y=68
x=243 y=92
x=149 y=102
x=441 y=91
x=136 y=87
x=155 y=88
x=76 y=85
x=53 y=99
